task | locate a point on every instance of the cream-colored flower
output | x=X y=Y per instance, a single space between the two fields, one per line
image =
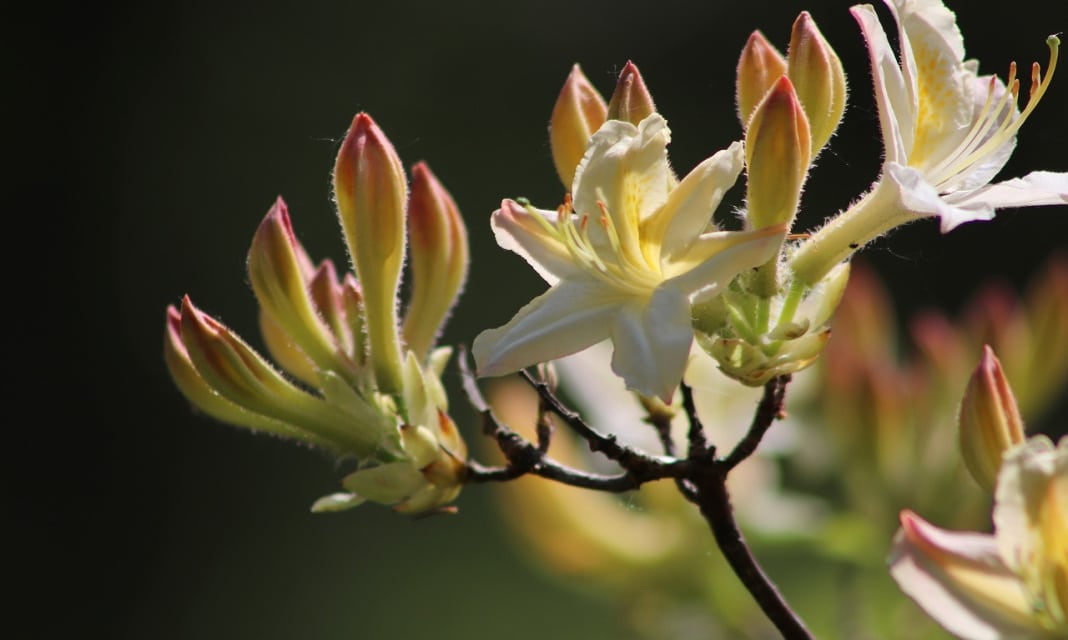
x=948 y=130
x=1012 y=584
x=626 y=258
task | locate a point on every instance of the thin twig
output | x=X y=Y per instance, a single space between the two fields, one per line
x=661 y=422
x=696 y=434
x=770 y=408
x=714 y=502
x=598 y=442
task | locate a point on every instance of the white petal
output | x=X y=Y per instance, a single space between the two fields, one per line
x=626 y=170
x=1038 y=188
x=714 y=260
x=897 y=109
x=565 y=319
x=690 y=205
x=960 y=581
x=933 y=55
x=920 y=198
x=1023 y=486
x=652 y=342
x=516 y=229
x=936 y=17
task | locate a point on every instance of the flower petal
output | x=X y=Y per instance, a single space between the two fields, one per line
x=932 y=52
x=1038 y=188
x=626 y=171
x=897 y=108
x=960 y=580
x=565 y=319
x=516 y=229
x=690 y=205
x=1024 y=484
x=652 y=342
x=713 y=261
x=920 y=198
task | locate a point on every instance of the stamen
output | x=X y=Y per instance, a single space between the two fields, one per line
x=980 y=141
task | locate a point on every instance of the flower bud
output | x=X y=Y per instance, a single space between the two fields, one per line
x=759 y=67
x=283 y=292
x=990 y=423
x=439 y=259
x=631 y=101
x=777 y=153
x=816 y=72
x=371 y=194
x=578 y=112
x=240 y=375
x=198 y=392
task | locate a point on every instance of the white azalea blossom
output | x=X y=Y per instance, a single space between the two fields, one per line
x=1009 y=585
x=948 y=130
x=625 y=259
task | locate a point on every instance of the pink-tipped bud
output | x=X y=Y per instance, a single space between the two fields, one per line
x=989 y=420
x=371 y=193
x=210 y=401
x=439 y=259
x=278 y=280
x=816 y=71
x=759 y=67
x=631 y=101
x=579 y=112
x=777 y=152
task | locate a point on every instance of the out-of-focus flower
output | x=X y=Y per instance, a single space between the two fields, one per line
x=626 y=259
x=989 y=420
x=948 y=132
x=887 y=424
x=1012 y=584
x=366 y=394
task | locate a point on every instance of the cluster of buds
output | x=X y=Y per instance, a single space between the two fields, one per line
x=362 y=384
x=767 y=324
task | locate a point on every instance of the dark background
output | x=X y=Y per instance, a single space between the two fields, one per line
x=149 y=139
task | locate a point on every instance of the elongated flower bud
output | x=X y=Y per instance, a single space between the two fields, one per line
x=818 y=78
x=990 y=423
x=777 y=150
x=631 y=101
x=275 y=271
x=439 y=259
x=760 y=66
x=371 y=194
x=205 y=398
x=578 y=112
x=239 y=374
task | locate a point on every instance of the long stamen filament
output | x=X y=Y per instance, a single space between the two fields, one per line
x=978 y=144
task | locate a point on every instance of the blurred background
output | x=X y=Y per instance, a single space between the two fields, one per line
x=151 y=138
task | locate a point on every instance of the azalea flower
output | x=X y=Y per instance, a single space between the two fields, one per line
x=948 y=131
x=1012 y=584
x=625 y=259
